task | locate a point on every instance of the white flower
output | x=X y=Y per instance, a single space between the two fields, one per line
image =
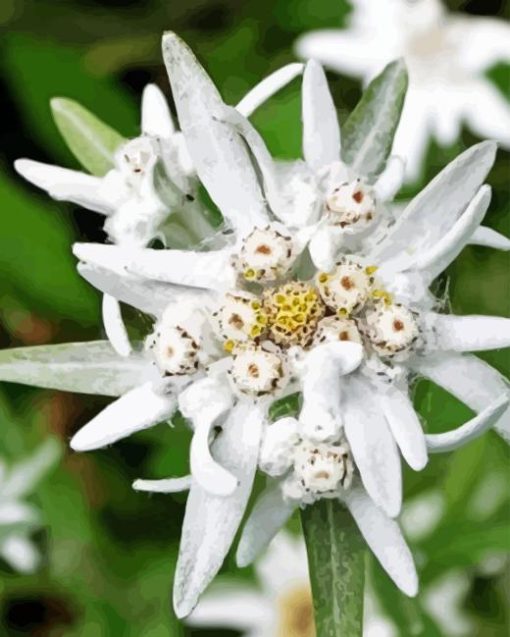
x=447 y=56
x=281 y=604
x=18 y=520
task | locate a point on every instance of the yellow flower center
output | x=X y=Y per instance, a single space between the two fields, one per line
x=296 y=613
x=293 y=312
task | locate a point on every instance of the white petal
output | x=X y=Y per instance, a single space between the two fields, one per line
x=385 y=539
x=487 y=112
x=439 y=256
x=209 y=270
x=65 y=185
x=324 y=366
x=156 y=117
x=405 y=426
x=17 y=516
x=373 y=447
x=483 y=41
x=268 y=87
x=344 y=52
x=467 y=333
x=279 y=438
x=211 y=522
x=114 y=326
x=321 y=132
x=232 y=606
x=219 y=154
x=432 y=213
x=390 y=180
x=324 y=246
x=88 y=368
x=150 y=297
x=268 y=516
x=488 y=237
x=439 y=443
x=24 y=477
x=20 y=553
x=204 y=402
x=139 y=409
x=469 y=379
x=166 y=485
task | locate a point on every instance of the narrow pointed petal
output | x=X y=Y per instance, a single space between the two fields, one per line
x=390 y=180
x=156 y=117
x=229 y=605
x=150 y=297
x=489 y=238
x=65 y=185
x=20 y=553
x=166 y=485
x=204 y=403
x=219 y=154
x=87 y=368
x=432 y=213
x=268 y=169
x=439 y=256
x=17 y=517
x=268 y=87
x=469 y=379
x=448 y=332
x=114 y=326
x=139 y=409
x=209 y=270
x=440 y=443
x=270 y=514
x=211 y=522
x=385 y=540
x=373 y=447
x=321 y=131
x=405 y=427
x=321 y=383
x=25 y=476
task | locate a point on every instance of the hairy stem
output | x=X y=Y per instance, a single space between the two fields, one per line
x=336 y=558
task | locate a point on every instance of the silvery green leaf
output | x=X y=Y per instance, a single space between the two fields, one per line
x=367 y=136
x=89 y=368
x=91 y=141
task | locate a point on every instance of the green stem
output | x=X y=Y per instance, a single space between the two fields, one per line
x=336 y=558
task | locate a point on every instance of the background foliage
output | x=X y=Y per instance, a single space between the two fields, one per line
x=109 y=551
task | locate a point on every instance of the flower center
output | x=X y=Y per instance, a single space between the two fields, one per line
x=240 y=319
x=391 y=329
x=256 y=371
x=293 y=311
x=323 y=468
x=351 y=206
x=175 y=351
x=347 y=288
x=335 y=328
x=296 y=613
x=265 y=255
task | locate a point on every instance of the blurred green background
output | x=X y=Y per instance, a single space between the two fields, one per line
x=109 y=552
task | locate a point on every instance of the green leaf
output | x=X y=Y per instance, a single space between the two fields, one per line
x=287 y=406
x=37 y=266
x=91 y=141
x=336 y=558
x=367 y=136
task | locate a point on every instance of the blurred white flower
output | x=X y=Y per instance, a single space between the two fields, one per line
x=18 y=520
x=447 y=56
x=281 y=606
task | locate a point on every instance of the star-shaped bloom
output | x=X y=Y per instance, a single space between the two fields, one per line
x=18 y=520
x=447 y=56
x=248 y=318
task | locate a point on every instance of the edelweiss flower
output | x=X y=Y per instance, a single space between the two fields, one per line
x=447 y=55
x=281 y=605
x=19 y=520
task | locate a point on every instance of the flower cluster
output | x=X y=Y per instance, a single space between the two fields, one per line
x=312 y=285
